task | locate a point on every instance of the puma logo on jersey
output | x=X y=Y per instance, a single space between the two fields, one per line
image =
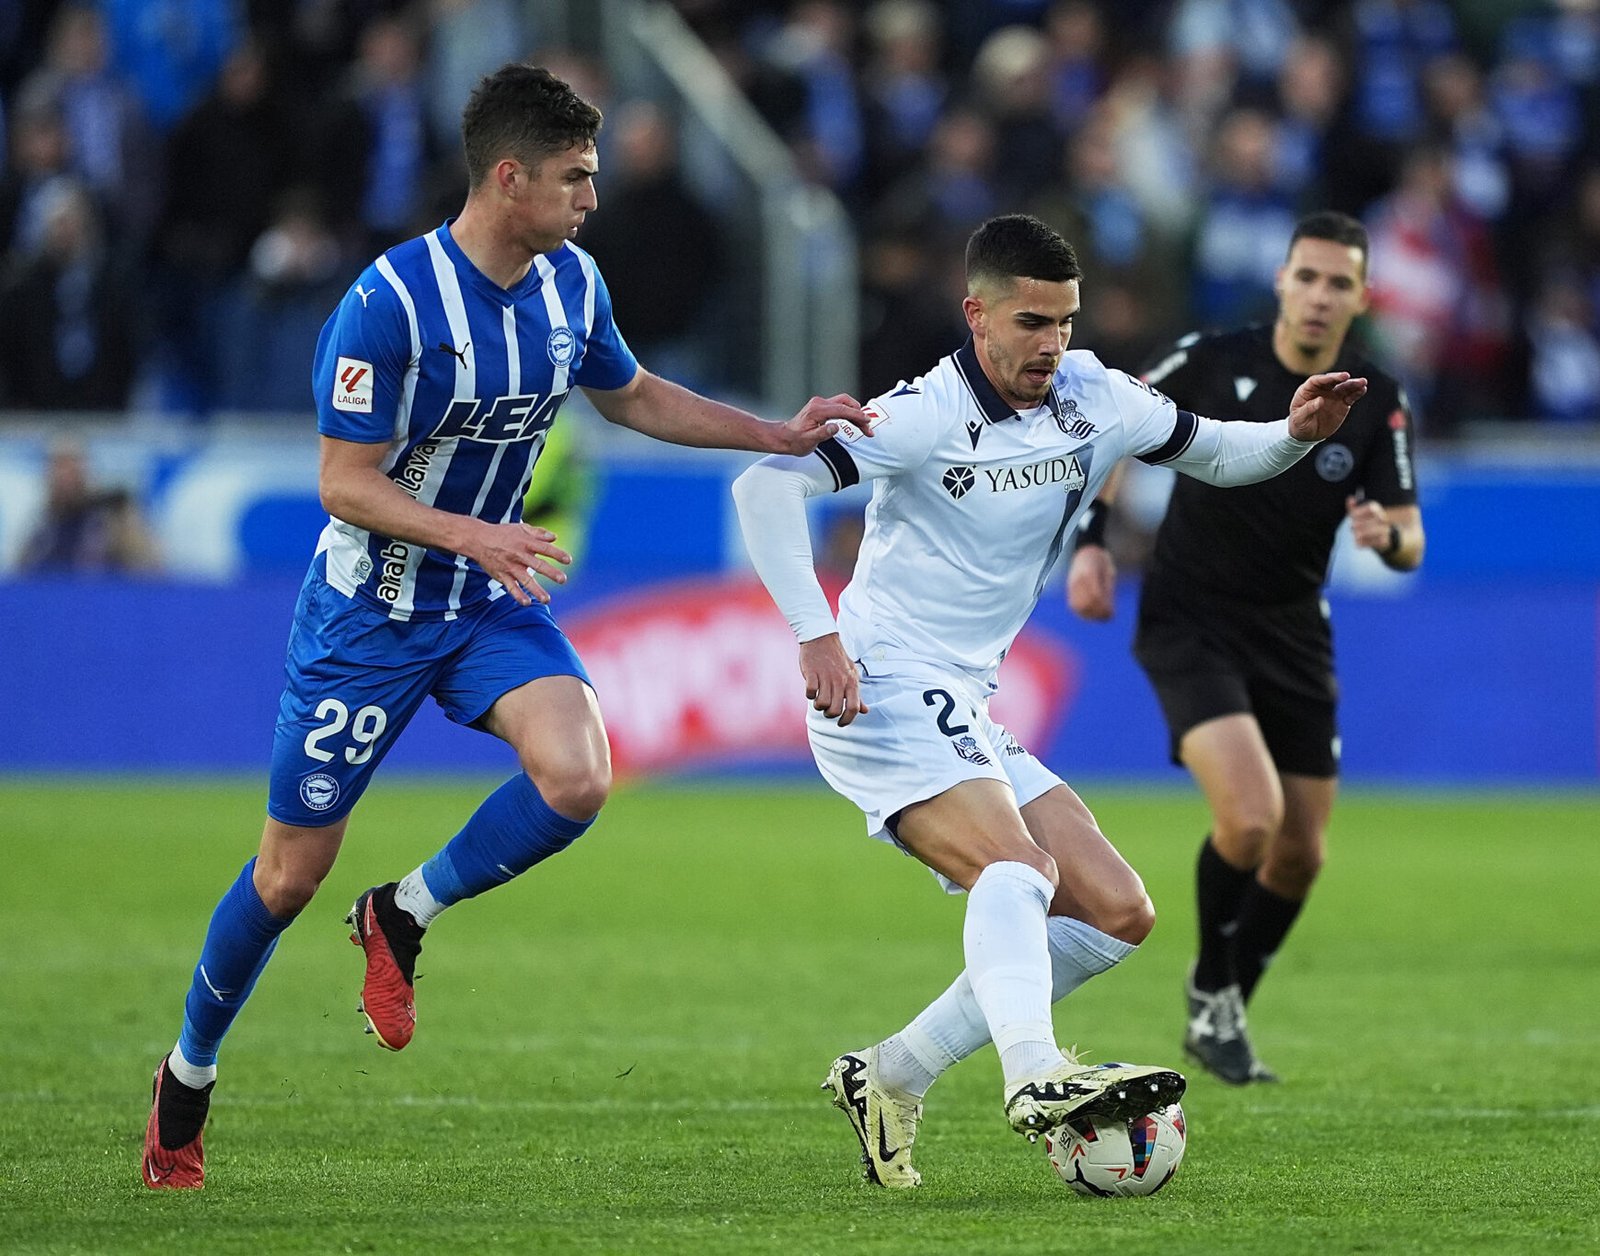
x=460 y=354
x=364 y=293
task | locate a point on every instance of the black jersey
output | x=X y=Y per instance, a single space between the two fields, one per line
x=1271 y=542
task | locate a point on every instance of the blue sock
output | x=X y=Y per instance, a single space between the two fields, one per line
x=238 y=945
x=512 y=830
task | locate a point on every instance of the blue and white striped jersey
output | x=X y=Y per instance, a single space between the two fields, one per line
x=462 y=379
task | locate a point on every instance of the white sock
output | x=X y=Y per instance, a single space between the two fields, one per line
x=945 y=1032
x=1079 y=951
x=1008 y=963
x=952 y=1027
x=413 y=897
x=194 y=1076
x=900 y=1066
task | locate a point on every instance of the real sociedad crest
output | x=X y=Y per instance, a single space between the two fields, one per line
x=561 y=345
x=1071 y=422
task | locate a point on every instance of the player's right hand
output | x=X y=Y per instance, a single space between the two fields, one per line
x=832 y=682
x=1320 y=404
x=818 y=420
x=1092 y=583
x=514 y=553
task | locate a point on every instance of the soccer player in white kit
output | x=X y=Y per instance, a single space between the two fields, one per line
x=980 y=470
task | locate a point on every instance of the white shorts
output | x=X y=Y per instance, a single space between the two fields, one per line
x=924 y=732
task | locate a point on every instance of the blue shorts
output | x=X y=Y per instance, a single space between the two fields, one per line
x=356 y=677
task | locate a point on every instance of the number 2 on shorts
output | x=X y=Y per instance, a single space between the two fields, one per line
x=947 y=706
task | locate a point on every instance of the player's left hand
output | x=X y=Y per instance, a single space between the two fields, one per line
x=1369 y=523
x=832 y=682
x=1321 y=403
x=1092 y=583
x=818 y=420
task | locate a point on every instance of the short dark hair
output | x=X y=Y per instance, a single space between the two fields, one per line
x=1019 y=246
x=525 y=112
x=1327 y=225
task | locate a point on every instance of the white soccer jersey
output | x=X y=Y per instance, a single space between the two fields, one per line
x=972 y=502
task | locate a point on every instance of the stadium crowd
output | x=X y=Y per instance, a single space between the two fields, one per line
x=190 y=184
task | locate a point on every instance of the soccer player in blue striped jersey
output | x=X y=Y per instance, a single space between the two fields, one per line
x=436 y=380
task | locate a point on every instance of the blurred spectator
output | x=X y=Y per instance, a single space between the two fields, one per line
x=1436 y=295
x=660 y=292
x=376 y=138
x=905 y=91
x=66 y=319
x=468 y=39
x=814 y=46
x=1309 y=91
x=1153 y=148
x=318 y=37
x=109 y=144
x=217 y=206
x=1393 y=41
x=270 y=325
x=171 y=50
x=39 y=157
x=1245 y=224
x=1011 y=85
x=86 y=529
x=1564 y=352
x=908 y=318
x=1218 y=44
x=1077 y=74
x=954 y=190
x=1543 y=125
x=1121 y=251
x=1460 y=116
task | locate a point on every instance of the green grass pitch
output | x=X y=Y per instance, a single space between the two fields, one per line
x=621 y=1052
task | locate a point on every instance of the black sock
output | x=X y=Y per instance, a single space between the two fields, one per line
x=1265 y=919
x=1219 y=890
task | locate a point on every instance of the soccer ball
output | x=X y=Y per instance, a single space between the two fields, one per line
x=1097 y=1156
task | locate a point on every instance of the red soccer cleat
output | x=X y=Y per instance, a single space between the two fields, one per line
x=173 y=1156
x=392 y=941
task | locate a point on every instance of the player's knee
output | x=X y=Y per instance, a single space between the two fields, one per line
x=1291 y=870
x=1042 y=863
x=1132 y=920
x=579 y=791
x=1248 y=831
x=285 y=890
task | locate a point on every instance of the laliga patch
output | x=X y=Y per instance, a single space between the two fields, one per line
x=352 y=386
x=850 y=433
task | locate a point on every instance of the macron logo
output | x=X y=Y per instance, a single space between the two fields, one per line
x=1244 y=386
x=352 y=386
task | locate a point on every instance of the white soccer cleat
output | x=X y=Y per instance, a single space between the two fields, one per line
x=884 y=1119
x=1117 y=1092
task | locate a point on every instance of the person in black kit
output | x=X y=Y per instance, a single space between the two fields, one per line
x=1233 y=632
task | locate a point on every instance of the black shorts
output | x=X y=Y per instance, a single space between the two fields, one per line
x=1207 y=657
